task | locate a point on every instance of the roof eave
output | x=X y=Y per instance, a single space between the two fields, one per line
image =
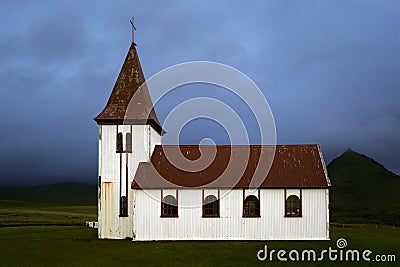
x=328 y=181
x=137 y=187
x=150 y=122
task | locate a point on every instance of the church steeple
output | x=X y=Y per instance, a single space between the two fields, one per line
x=129 y=130
x=130 y=87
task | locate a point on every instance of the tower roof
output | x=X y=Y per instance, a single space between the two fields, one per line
x=130 y=100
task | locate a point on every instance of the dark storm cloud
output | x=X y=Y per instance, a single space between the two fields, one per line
x=329 y=70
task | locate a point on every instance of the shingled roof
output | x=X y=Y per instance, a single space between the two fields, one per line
x=130 y=100
x=291 y=166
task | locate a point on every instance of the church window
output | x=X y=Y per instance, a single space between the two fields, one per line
x=128 y=142
x=293 y=206
x=211 y=206
x=169 y=207
x=251 y=207
x=119 y=142
x=123 y=206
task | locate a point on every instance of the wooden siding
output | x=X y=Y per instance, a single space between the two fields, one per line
x=272 y=225
x=117 y=171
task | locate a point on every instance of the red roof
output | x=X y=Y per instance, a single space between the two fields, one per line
x=130 y=100
x=291 y=166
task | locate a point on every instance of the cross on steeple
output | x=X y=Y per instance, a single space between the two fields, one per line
x=133 y=30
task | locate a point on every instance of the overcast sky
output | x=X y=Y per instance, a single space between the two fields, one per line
x=330 y=71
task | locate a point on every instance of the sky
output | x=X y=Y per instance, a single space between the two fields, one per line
x=328 y=69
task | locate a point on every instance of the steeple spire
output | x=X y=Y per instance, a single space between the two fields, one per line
x=133 y=30
x=130 y=83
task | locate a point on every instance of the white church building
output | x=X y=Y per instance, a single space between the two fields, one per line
x=143 y=196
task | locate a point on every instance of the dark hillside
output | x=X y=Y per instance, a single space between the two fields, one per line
x=363 y=190
x=67 y=193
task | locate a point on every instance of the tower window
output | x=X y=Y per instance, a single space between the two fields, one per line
x=123 y=206
x=128 y=142
x=119 y=143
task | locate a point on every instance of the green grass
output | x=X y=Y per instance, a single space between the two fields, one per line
x=16 y=213
x=45 y=243
x=79 y=246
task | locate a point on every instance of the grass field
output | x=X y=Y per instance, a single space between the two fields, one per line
x=51 y=245
x=53 y=235
x=79 y=246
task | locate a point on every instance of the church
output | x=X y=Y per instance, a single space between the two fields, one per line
x=144 y=197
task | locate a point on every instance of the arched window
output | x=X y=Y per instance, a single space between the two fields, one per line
x=128 y=142
x=211 y=206
x=293 y=206
x=251 y=206
x=119 y=142
x=123 y=206
x=169 y=207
